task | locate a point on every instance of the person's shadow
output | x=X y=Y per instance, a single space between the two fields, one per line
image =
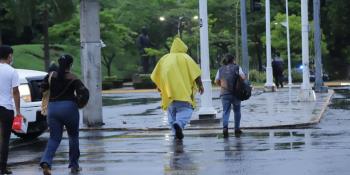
x=180 y=161
x=234 y=156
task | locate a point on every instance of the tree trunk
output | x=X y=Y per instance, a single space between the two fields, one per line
x=258 y=51
x=108 y=66
x=46 y=39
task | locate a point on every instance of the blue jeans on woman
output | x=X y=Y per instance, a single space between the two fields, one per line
x=228 y=101
x=62 y=113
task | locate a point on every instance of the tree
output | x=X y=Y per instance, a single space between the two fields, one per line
x=279 y=41
x=45 y=13
x=116 y=37
x=9 y=20
x=335 y=17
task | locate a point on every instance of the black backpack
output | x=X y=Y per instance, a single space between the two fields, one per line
x=242 y=88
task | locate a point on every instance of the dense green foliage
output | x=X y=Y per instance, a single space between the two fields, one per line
x=121 y=23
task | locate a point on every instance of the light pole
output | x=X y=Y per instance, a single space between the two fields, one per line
x=286 y=25
x=319 y=86
x=236 y=32
x=288 y=47
x=306 y=93
x=245 y=57
x=269 y=85
x=179 y=26
x=206 y=110
x=91 y=60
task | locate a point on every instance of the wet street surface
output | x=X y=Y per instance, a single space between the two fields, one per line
x=321 y=149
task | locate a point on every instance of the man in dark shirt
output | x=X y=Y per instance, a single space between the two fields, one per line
x=277 y=67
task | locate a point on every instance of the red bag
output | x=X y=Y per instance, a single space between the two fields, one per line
x=19 y=124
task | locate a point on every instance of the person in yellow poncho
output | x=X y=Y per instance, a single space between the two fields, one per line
x=177 y=77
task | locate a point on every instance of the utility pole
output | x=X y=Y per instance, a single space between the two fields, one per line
x=91 y=60
x=269 y=85
x=288 y=48
x=236 y=31
x=206 y=110
x=319 y=86
x=245 y=58
x=306 y=93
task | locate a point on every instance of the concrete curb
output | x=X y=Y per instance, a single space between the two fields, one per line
x=314 y=120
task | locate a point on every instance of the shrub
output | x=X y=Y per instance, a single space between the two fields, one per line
x=143 y=81
x=107 y=85
x=257 y=77
x=296 y=76
x=112 y=82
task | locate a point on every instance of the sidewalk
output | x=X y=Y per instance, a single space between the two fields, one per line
x=140 y=110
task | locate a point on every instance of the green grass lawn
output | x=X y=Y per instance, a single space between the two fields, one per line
x=31 y=56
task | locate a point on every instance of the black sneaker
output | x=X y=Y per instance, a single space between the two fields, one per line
x=75 y=170
x=238 y=132
x=178 y=132
x=46 y=169
x=225 y=132
x=5 y=172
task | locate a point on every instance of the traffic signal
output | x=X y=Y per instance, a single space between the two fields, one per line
x=255 y=5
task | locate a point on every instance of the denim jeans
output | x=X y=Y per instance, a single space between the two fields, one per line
x=179 y=112
x=6 y=120
x=62 y=113
x=228 y=101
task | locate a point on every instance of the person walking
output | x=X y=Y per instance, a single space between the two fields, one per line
x=62 y=111
x=177 y=77
x=9 y=81
x=277 y=67
x=226 y=78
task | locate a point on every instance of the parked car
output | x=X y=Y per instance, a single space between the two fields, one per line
x=29 y=88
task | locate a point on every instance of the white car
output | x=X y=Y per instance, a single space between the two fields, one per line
x=30 y=81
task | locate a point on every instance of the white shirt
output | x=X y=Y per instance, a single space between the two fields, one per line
x=8 y=80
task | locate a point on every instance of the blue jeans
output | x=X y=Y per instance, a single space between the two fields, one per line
x=179 y=112
x=62 y=113
x=227 y=102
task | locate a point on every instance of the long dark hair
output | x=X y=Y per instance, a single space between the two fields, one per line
x=228 y=59
x=64 y=63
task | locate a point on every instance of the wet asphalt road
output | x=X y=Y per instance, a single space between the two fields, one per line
x=322 y=149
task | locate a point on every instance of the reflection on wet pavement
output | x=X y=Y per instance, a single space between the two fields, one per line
x=179 y=160
x=321 y=150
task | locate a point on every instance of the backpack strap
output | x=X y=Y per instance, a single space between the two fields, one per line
x=50 y=77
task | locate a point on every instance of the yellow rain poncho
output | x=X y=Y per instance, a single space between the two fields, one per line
x=175 y=75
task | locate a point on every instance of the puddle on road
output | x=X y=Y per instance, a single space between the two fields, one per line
x=147 y=112
x=108 y=101
x=341 y=99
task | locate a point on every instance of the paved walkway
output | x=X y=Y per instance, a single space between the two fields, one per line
x=139 y=110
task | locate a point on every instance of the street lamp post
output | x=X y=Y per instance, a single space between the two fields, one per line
x=206 y=110
x=288 y=47
x=269 y=85
x=91 y=60
x=179 y=26
x=319 y=86
x=306 y=93
x=245 y=57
